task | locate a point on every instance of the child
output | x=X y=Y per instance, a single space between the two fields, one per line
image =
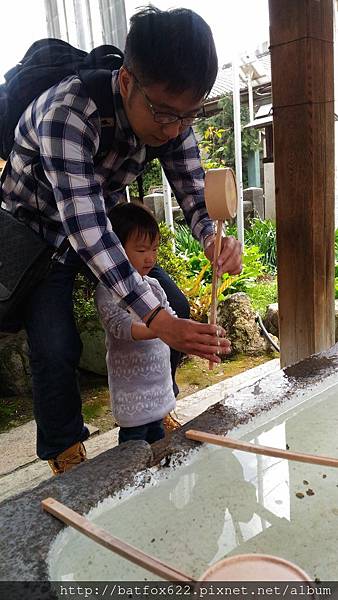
x=138 y=364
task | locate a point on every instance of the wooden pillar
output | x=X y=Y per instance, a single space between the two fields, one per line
x=301 y=38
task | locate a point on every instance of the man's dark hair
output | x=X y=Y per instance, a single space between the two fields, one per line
x=130 y=218
x=174 y=47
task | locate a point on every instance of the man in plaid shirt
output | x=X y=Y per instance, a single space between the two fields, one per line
x=170 y=66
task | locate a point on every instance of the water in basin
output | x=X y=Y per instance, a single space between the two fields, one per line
x=221 y=502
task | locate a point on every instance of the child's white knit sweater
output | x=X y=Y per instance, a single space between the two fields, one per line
x=139 y=372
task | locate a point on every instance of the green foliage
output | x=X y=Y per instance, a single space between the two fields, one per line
x=255 y=268
x=174 y=264
x=263 y=234
x=262 y=294
x=151 y=178
x=218 y=139
x=198 y=289
x=185 y=242
x=83 y=298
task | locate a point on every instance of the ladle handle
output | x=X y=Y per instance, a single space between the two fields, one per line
x=70 y=517
x=217 y=250
x=221 y=440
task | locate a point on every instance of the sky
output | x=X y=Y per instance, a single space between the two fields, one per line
x=237 y=25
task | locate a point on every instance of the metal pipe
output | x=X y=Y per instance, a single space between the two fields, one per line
x=238 y=149
x=266 y=333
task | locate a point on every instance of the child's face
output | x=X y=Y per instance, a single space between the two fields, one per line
x=141 y=252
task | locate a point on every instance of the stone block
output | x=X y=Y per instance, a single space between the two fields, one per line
x=255 y=196
x=155 y=202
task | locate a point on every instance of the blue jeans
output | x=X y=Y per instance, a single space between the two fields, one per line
x=151 y=432
x=54 y=352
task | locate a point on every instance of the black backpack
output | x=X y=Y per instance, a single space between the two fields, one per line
x=46 y=63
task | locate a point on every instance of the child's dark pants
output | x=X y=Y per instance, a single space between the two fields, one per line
x=151 y=432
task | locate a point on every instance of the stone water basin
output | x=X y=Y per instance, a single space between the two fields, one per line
x=214 y=502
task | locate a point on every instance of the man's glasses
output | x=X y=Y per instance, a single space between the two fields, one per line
x=166 y=118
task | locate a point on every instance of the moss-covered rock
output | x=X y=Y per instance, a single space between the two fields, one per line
x=93 y=356
x=15 y=377
x=238 y=318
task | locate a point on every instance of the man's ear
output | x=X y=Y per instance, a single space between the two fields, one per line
x=125 y=81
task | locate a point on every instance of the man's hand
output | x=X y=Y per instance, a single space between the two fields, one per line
x=230 y=258
x=201 y=339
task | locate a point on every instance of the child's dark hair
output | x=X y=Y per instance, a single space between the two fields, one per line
x=133 y=217
x=174 y=47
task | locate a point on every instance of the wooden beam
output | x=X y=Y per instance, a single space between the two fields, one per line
x=301 y=39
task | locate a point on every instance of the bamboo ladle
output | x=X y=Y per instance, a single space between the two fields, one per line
x=221 y=203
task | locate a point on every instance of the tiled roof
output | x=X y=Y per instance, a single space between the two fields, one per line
x=262 y=75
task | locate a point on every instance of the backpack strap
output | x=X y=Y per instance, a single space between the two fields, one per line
x=98 y=83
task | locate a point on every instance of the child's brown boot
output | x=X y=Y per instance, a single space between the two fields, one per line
x=65 y=461
x=170 y=423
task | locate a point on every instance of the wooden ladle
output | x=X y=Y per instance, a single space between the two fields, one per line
x=221 y=203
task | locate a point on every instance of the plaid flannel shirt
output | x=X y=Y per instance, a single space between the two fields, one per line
x=60 y=133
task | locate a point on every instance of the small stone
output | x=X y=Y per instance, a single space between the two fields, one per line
x=299 y=495
x=287 y=447
x=305 y=482
x=151 y=541
x=324 y=476
x=310 y=492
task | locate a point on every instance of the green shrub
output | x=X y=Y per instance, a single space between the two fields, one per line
x=263 y=235
x=174 y=264
x=262 y=294
x=198 y=287
x=185 y=242
x=83 y=298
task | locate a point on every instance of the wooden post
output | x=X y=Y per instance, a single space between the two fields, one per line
x=301 y=37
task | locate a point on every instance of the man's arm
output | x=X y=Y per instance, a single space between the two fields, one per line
x=117 y=322
x=68 y=143
x=182 y=165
